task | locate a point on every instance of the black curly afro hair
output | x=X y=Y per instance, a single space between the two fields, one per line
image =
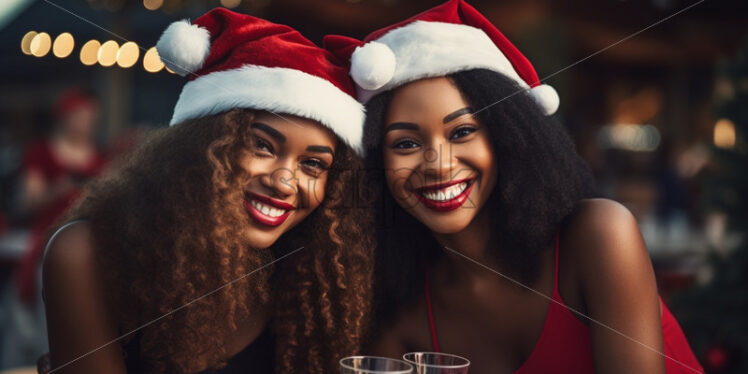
x=541 y=178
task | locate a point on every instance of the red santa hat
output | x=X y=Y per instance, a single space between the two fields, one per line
x=449 y=38
x=238 y=61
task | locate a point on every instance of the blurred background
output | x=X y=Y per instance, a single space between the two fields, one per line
x=661 y=117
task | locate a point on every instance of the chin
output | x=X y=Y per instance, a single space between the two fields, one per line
x=445 y=224
x=261 y=239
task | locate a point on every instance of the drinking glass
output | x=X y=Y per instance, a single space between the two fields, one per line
x=374 y=365
x=437 y=363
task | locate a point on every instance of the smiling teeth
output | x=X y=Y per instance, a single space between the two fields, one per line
x=447 y=193
x=267 y=209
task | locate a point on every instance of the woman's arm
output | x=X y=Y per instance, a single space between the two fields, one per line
x=78 y=322
x=618 y=288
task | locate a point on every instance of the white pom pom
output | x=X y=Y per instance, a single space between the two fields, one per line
x=546 y=97
x=183 y=47
x=372 y=65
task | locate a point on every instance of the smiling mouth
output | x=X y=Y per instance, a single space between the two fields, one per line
x=266 y=210
x=447 y=196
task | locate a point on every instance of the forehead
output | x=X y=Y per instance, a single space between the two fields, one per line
x=298 y=129
x=426 y=97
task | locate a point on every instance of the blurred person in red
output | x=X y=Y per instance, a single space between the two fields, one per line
x=53 y=172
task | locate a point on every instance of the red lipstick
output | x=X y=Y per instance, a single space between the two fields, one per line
x=444 y=205
x=256 y=203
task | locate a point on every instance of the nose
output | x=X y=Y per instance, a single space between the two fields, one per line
x=438 y=161
x=281 y=180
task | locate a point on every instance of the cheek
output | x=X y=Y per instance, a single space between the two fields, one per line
x=397 y=182
x=313 y=192
x=394 y=161
x=395 y=172
x=483 y=159
x=248 y=163
x=484 y=155
x=254 y=165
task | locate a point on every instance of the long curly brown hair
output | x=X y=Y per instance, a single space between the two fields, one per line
x=167 y=225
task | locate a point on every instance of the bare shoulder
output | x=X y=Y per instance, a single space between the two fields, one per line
x=78 y=319
x=603 y=217
x=601 y=231
x=617 y=285
x=70 y=251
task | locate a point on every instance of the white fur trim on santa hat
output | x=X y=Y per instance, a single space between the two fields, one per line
x=432 y=49
x=278 y=90
x=372 y=65
x=545 y=96
x=183 y=47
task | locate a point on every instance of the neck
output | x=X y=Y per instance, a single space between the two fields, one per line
x=474 y=243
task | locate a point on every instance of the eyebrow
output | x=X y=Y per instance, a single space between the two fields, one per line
x=319 y=149
x=456 y=114
x=401 y=126
x=273 y=133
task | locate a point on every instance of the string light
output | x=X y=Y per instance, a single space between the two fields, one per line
x=153 y=4
x=63 y=45
x=152 y=62
x=231 y=3
x=107 y=55
x=90 y=52
x=128 y=54
x=26 y=42
x=40 y=44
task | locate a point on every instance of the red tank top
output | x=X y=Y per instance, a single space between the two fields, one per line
x=564 y=345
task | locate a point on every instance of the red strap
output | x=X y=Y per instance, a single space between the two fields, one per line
x=432 y=325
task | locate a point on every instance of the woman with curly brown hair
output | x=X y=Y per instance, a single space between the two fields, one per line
x=231 y=239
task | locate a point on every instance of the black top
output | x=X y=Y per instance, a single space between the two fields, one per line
x=256 y=358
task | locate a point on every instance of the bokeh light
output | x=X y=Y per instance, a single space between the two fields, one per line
x=630 y=137
x=151 y=62
x=90 y=52
x=231 y=3
x=26 y=42
x=724 y=133
x=128 y=54
x=40 y=44
x=153 y=4
x=107 y=55
x=63 y=45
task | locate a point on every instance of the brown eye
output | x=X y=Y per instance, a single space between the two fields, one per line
x=405 y=144
x=314 y=167
x=462 y=132
x=262 y=145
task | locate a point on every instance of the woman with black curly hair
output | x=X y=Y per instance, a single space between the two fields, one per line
x=167 y=264
x=492 y=245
